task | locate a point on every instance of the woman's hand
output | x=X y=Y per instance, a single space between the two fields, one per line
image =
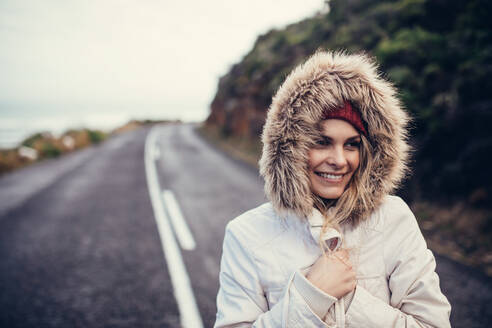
x=333 y=274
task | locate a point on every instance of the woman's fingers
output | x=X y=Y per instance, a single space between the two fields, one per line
x=333 y=274
x=343 y=256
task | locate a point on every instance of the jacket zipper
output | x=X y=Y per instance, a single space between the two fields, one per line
x=340 y=313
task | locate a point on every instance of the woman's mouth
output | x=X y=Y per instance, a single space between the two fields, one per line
x=330 y=176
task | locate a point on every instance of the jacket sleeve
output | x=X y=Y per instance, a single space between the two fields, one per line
x=416 y=298
x=241 y=301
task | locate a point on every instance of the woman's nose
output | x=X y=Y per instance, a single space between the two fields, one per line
x=336 y=157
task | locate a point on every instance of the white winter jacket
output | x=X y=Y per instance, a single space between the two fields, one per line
x=265 y=259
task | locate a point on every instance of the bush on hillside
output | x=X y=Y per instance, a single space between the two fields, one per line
x=437 y=52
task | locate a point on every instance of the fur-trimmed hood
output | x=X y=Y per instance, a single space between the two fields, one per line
x=324 y=82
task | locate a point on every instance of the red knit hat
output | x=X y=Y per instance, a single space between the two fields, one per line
x=347 y=113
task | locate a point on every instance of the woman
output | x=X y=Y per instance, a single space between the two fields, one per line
x=332 y=248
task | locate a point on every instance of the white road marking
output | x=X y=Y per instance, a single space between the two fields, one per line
x=188 y=309
x=178 y=221
x=156 y=152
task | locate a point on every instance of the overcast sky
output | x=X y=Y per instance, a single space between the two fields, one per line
x=147 y=56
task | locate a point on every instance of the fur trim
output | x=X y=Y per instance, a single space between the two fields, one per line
x=324 y=81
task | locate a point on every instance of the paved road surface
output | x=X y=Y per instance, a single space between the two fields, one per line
x=79 y=243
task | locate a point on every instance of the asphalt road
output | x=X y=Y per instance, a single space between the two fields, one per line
x=80 y=246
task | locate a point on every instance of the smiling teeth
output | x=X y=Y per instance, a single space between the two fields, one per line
x=330 y=176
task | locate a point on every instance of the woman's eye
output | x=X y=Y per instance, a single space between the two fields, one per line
x=354 y=144
x=323 y=142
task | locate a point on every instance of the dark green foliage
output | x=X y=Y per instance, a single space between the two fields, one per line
x=96 y=136
x=437 y=52
x=48 y=150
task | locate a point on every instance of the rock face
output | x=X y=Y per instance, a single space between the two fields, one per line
x=239 y=117
x=438 y=53
x=244 y=94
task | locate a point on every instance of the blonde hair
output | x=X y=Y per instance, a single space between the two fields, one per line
x=338 y=211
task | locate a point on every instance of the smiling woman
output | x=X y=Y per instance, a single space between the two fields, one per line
x=333 y=162
x=333 y=247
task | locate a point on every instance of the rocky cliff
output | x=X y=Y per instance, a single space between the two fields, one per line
x=437 y=52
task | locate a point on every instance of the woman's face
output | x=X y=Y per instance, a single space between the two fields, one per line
x=334 y=160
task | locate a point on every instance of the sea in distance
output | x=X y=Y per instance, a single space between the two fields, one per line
x=20 y=122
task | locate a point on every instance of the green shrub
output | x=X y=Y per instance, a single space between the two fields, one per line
x=48 y=150
x=96 y=136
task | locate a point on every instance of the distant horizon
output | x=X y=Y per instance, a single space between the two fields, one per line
x=15 y=127
x=65 y=63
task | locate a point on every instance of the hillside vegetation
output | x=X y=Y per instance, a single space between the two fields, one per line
x=45 y=145
x=439 y=54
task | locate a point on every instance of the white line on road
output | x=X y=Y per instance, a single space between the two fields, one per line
x=156 y=152
x=189 y=314
x=178 y=221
